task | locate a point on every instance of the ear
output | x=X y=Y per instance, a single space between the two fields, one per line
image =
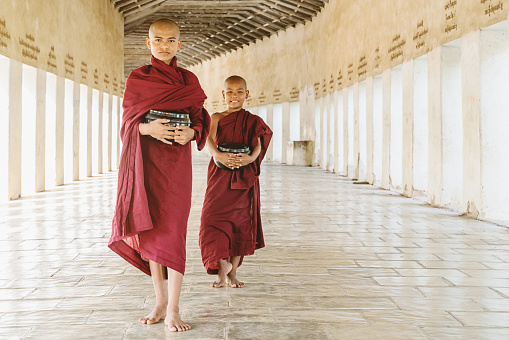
x=247 y=94
x=147 y=41
x=179 y=44
x=223 y=95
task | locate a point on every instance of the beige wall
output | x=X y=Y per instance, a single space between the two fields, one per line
x=345 y=43
x=82 y=40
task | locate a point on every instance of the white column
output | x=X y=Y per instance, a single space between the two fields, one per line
x=435 y=154
x=345 y=132
x=15 y=120
x=119 y=121
x=386 y=129
x=285 y=130
x=335 y=95
x=59 y=131
x=40 y=132
x=420 y=133
x=356 y=152
x=76 y=132
x=323 y=134
x=110 y=129
x=100 y=134
x=408 y=127
x=369 y=130
x=89 y=131
x=270 y=122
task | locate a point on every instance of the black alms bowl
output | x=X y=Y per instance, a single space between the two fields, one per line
x=232 y=148
x=176 y=119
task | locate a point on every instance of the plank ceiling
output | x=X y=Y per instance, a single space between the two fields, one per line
x=209 y=28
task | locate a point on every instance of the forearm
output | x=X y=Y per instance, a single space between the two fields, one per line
x=211 y=146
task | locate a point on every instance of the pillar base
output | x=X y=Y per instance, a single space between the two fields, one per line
x=299 y=153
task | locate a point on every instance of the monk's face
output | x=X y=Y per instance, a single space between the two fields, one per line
x=235 y=94
x=163 y=41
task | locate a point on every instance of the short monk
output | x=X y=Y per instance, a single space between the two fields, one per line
x=154 y=185
x=231 y=225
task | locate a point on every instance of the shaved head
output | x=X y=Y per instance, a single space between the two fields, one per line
x=163 y=23
x=234 y=79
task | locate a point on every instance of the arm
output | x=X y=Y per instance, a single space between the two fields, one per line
x=242 y=159
x=157 y=130
x=223 y=157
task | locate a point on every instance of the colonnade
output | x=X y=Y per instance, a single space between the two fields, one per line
x=435 y=127
x=58 y=130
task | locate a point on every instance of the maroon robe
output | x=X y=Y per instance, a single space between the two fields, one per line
x=154 y=179
x=230 y=221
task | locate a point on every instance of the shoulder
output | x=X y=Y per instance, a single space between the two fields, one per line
x=218 y=116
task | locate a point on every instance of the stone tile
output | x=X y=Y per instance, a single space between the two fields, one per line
x=483 y=319
x=276 y=331
x=348 y=302
x=417 y=318
x=478 y=333
x=452 y=303
x=14 y=333
x=381 y=291
x=359 y=332
x=494 y=305
x=412 y=281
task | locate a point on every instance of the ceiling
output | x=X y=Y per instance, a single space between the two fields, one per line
x=209 y=28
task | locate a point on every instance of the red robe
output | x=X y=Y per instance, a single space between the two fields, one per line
x=154 y=179
x=230 y=221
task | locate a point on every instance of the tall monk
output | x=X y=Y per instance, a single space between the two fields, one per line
x=230 y=222
x=154 y=183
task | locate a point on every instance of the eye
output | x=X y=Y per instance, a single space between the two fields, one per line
x=158 y=40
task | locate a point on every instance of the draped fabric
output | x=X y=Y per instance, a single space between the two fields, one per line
x=230 y=221
x=154 y=179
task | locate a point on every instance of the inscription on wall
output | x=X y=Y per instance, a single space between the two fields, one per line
x=363 y=65
x=29 y=49
x=106 y=80
x=324 y=87
x=492 y=7
x=420 y=36
x=69 y=64
x=5 y=36
x=215 y=105
x=262 y=99
x=52 y=59
x=377 y=58
x=396 y=50
x=84 y=70
x=350 y=72
x=316 y=86
x=96 y=77
x=331 y=84
x=249 y=101
x=339 y=79
x=450 y=16
x=294 y=93
x=276 y=95
x=115 y=84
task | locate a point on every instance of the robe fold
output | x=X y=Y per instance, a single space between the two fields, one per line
x=154 y=179
x=230 y=221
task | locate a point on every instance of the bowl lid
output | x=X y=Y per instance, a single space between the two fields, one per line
x=169 y=114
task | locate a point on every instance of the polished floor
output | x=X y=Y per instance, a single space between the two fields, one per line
x=343 y=261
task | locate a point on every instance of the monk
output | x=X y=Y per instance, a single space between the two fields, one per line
x=154 y=179
x=231 y=226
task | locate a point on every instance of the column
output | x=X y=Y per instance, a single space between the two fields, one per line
x=408 y=127
x=369 y=130
x=323 y=150
x=345 y=131
x=335 y=96
x=76 y=132
x=270 y=122
x=285 y=130
x=100 y=134
x=386 y=129
x=40 y=132
x=59 y=131
x=328 y=112
x=356 y=152
x=110 y=129
x=119 y=121
x=89 y=131
x=15 y=119
x=435 y=127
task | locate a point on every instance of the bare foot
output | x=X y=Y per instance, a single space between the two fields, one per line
x=225 y=268
x=233 y=281
x=175 y=323
x=157 y=314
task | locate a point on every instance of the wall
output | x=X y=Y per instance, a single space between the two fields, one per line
x=82 y=40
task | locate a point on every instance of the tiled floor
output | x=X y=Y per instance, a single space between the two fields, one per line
x=343 y=261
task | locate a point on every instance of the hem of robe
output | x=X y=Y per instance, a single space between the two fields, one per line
x=211 y=265
x=134 y=258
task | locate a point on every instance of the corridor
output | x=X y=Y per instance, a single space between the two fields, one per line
x=342 y=261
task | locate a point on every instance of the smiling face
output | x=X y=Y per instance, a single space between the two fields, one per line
x=235 y=93
x=163 y=40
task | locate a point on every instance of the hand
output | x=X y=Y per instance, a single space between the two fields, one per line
x=184 y=134
x=157 y=130
x=242 y=159
x=227 y=159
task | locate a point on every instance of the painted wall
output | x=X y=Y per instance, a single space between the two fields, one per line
x=82 y=40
